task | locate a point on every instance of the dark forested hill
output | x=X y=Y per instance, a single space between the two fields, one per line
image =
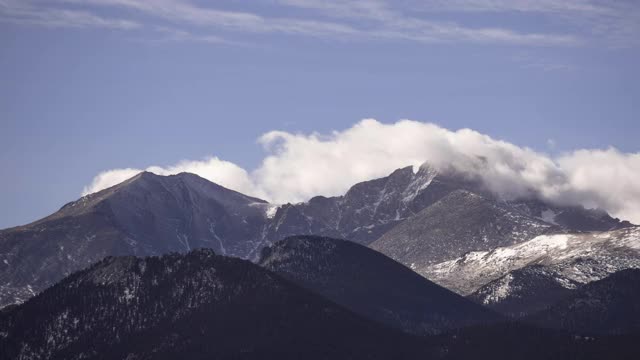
x=371 y=284
x=192 y=306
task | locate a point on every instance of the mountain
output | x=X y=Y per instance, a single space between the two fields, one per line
x=459 y=222
x=413 y=215
x=201 y=306
x=145 y=215
x=151 y=215
x=567 y=258
x=193 y=306
x=570 y=218
x=524 y=291
x=609 y=306
x=371 y=284
x=368 y=209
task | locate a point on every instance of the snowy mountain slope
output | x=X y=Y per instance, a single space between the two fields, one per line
x=459 y=222
x=371 y=284
x=193 y=306
x=571 y=258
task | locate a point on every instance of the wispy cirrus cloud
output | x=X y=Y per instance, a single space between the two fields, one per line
x=614 y=23
x=548 y=23
x=541 y=6
x=528 y=60
x=355 y=20
x=394 y=22
x=164 y=34
x=180 y=12
x=25 y=12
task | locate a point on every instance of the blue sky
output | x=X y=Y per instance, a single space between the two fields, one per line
x=87 y=86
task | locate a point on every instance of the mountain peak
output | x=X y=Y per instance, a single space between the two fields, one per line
x=147 y=214
x=404 y=171
x=147 y=182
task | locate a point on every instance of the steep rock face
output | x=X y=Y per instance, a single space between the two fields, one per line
x=524 y=291
x=145 y=215
x=459 y=222
x=197 y=305
x=570 y=258
x=606 y=306
x=371 y=284
x=372 y=209
x=367 y=210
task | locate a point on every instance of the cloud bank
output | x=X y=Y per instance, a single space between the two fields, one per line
x=299 y=166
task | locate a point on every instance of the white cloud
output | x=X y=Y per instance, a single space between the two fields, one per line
x=213 y=169
x=604 y=178
x=109 y=178
x=299 y=166
x=305 y=165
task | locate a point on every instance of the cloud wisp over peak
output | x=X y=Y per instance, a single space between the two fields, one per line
x=299 y=166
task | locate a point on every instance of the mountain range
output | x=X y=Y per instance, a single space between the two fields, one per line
x=419 y=218
x=200 y=305
x=418 y=264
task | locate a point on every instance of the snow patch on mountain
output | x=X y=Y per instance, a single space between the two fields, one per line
x=423 y=177
x=271 y=211
x=580 y=258
x=501 y=291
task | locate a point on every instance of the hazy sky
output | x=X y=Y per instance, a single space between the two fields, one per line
x=87 y=86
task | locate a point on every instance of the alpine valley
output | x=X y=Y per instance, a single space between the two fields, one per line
x=422 y=263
